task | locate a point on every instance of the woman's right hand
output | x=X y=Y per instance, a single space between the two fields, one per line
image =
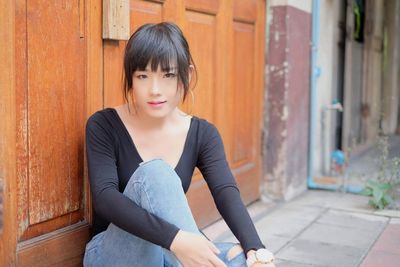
x=194 y=250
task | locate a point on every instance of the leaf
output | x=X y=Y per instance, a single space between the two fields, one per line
x=372 y=203
x=384 y=186
x=372 y=183
x=388 y=199
x=367 y=191
x=377 y=194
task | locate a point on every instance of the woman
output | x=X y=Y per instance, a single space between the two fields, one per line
x=141 y=157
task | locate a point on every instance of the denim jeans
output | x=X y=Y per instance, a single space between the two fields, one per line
x=156 y=187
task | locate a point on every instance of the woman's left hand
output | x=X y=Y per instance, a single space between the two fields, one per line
x=259 y=264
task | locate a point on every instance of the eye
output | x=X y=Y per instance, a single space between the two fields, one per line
x=141 y=76
x=170 y=75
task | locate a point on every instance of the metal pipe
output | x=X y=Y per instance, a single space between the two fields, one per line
x=315 y=72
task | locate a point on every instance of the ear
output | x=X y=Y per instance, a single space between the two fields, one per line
x=191 y=70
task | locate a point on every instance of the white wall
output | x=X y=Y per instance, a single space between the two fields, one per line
x=327 y=83
x=391 y=69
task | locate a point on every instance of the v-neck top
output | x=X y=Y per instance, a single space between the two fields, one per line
x=137 y=154
x=112 y=158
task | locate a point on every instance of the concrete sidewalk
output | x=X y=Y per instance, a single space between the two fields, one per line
x=322 y=228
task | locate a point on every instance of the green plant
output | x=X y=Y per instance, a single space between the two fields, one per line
x=382 y=189
x=380 y=193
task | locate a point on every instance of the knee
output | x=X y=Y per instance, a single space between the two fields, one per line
x=234 y=251
x=156 y=173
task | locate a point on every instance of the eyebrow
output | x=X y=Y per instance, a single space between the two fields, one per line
x=170 y=69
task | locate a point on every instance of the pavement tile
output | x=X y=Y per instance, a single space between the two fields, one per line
x=352 y=202
x=322 y=228
x=317 y=198
x=347 y=219
x=395 y=221
x=284 y=263
x=389 y=241
x=378 y=258
x=275 y=243
x=339 y=235
x=272 y=242
x=321 y=254
x=280 y=227
x=220 y=230
x=292 y=211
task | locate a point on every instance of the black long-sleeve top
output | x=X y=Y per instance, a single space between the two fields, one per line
x=112 y=159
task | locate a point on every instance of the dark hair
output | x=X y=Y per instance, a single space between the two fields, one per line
x=161 y=44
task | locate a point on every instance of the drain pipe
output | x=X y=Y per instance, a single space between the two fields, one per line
x=315 y=73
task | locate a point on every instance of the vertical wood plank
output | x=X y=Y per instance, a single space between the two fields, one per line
x=94 y=79
x=203 y=37
x=7 y=132
x=202 y=41
x=81 y=18
x=224 y=82
x=116 y=19
x=21 y=78
x=260 y=25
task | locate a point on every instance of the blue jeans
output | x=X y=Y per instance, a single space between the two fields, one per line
x=156 y=187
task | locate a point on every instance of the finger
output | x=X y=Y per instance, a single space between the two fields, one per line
x=214 y=248
x=216 y=262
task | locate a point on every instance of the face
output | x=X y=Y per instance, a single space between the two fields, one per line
x=156 y=94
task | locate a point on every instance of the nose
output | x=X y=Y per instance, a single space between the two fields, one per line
x=155 y=87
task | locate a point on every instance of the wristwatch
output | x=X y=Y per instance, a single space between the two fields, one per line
x=262 y=255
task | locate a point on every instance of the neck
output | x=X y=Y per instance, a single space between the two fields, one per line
x=149 y=123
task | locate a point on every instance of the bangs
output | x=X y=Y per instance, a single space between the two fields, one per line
x=159 y=53
x=155 y=46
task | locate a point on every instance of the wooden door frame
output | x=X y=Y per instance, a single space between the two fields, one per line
x=8 y=132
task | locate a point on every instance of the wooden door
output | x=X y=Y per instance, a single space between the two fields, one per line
x=227 y=43
x=49 y=225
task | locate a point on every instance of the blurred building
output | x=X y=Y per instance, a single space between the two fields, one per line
x=333 y=84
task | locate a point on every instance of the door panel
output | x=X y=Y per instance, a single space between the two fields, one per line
x=201 y=35
x=244 y=130
x=243 y=94
x=54 y=120
x=50 y=118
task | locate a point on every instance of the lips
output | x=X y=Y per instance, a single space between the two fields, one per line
x=156 y=102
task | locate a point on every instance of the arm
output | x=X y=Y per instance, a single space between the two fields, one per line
x=215 y=169
x=108 y=202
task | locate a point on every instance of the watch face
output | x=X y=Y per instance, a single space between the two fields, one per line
x=264 y=255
